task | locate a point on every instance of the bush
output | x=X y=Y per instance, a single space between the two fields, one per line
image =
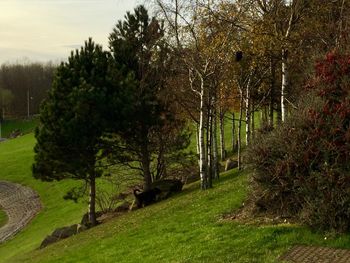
x=303 y=167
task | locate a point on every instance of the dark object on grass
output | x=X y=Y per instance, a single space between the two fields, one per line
x=239 y=56
x=15 y=134
x=125 y=206
x=62 y=233
x=146 y=198
x=230 y=164
x=168 y=187
x=85 y=220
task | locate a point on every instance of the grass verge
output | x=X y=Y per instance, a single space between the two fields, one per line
x=23 y=125
x=186 y=228
x=16 y=157
x=3 y=218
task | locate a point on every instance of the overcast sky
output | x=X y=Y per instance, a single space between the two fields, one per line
x=42 y=30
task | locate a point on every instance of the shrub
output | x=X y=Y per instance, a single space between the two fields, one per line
x=302 y=168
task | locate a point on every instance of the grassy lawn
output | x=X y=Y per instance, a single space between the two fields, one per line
x=3 y=218
x=16 y=157
x=25 y=126
x=185 y=228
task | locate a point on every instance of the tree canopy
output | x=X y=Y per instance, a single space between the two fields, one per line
x=138 y=49
x=84 y=99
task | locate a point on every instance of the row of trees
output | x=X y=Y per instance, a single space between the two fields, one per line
x=200 y=62
x=23 y=86
x=248 y=56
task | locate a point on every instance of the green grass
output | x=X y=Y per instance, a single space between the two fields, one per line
x=185 y=228
x=24 y=125
x=3 y=218
x=16 y=157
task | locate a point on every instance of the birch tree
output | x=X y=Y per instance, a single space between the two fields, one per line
x=189 y=38
x=283 y=17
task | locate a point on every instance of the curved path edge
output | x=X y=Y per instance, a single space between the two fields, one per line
x=21 y=204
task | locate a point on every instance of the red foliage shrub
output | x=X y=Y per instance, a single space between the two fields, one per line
x=303 y=167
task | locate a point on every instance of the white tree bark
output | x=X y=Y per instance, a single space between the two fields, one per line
x=197 y=138
x=215 y=145
x=239 y=139
x=284 y=84
x=252 y=117
x=222 y=135
x=272 y=91
x=209 y=143
x=92 y=199
x=247 y=114
x=202 y=159
x=233 y=133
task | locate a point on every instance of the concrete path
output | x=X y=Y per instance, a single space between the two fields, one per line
x=21 y=204
x=311 y=254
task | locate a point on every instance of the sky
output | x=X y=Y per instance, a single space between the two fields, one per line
x=44 y=30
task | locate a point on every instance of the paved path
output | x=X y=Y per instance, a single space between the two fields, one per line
x=21 y=204
x=311 y=254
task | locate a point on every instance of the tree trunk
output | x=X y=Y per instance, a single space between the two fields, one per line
x=272 y=91
x=233 y=133
x=263 y=117
x=247 y=116
x=222 y=134
x=266 y=110
x=197 y=138
x=252 y=122
x=28 y=104
x=92 y=199
x=239 y=141
x=145 y=162
x=284 y=83
x=215 y=145
x=202 y=160
x=209 y=143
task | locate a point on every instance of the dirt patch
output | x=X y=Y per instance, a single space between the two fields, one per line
x=249 y=213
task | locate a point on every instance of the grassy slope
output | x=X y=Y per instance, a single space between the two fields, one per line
x=3 y=218
x=25 y=126
x=186 y=228
x=16 y=157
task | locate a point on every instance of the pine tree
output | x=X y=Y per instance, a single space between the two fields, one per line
x=82 y=103
x=139 y=51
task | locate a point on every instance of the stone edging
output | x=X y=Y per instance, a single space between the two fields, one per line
x=21 y=204
x=315 y=254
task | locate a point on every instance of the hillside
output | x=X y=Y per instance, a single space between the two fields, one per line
x=16 y=157
x=186 y=228
x=24 y=126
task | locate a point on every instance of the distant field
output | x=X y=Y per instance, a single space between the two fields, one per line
x=3 y=218
x=23 y=125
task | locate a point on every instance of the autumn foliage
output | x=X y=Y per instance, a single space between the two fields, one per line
x=303 y=167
